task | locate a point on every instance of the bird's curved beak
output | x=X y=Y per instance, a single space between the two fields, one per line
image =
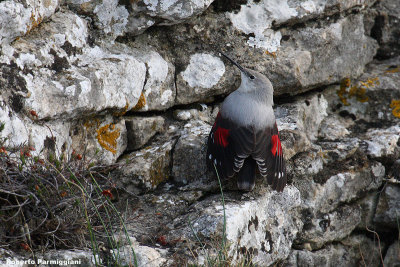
x=237 y=65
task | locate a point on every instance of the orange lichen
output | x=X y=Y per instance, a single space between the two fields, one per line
x=159 y=170
x=344 y=84
x=272 y=54
x=371 y=82
x=395 y=105
x=140 y=104
x=107 y=137
x=393 y=69
x=358 y=91
x=34 y=22
x=91 y=123
x=123 y=111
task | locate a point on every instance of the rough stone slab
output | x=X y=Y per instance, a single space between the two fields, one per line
x=349 y=252
x=189 y=159
x=146 y=256
x=61 y=76
x=15 y=132
x=115 y=19
x=200 y=77
x=163 y=12
x=346 y=186
x=387 y=210
x=273 y=14
x=374 y=94
x=392 y=257
x=327 y=227
x=145 y=168
x=299 y=123
x=159 y=91
x=108 y=16
x=334 y=127
x=141 y=129
x=201 y=112
x=383 y=142
x=291 y=69
x=47 y=138
x=368 y=206
x=332 y=152
x=18 y=18
x=325 y=43
x=254 y=227
x=386 y=28
x=100 y=140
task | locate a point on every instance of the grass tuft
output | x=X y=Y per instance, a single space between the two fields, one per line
x=53 y=203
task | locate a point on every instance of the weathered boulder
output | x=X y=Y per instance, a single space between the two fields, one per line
x=383 y=142
x=141 y=129
x=198 y=81
x=254 y=224
x=325 y=228
x=345 y=187
x=352 y=251
x=145 y=168
x=159 y=90
x=371 y=98
x=291 y=68
x=299 y=123
x=99 y=140
x=163 y=12
x=386 y=28
x=388 y=207
x=18 y=18
x=189 y=158
x=392 y=257
x=61 y=75
x=145 y=256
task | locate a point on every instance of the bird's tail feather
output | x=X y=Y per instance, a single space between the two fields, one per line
x=247 y=175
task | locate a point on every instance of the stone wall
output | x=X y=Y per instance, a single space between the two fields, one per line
x=138 y=84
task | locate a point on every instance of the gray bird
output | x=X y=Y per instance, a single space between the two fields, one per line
x=245 y=136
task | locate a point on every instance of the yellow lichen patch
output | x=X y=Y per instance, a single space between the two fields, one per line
x=358 y=91
x=141 y=103
x=395 y=105
x=371 y=82
x=91 y=123
x=393 y=70
x=107 y=137
x=272 y=54
x=123 y=111
x=344 y=84
x=34 y=22
x=159 y=170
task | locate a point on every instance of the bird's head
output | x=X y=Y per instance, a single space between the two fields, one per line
x=253 y=81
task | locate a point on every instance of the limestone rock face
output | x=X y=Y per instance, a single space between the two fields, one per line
x=18 y=18
x=189 y=165
x=146 y=168
x=350 y=252
x=141 y=129
x=392 y=255
x=388 y=205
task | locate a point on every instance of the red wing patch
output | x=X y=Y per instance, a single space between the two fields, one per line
x=276 y=145
x=221 y=136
